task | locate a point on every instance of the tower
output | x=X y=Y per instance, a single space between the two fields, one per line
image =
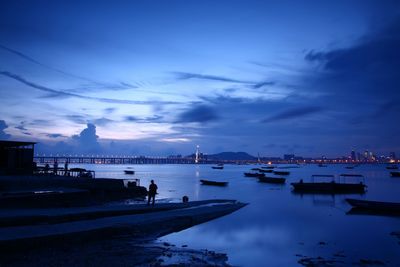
x=196 y=160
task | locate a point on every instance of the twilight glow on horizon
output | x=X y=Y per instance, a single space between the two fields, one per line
x=160 y=77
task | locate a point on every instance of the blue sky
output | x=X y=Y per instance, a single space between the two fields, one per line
x=159 y=77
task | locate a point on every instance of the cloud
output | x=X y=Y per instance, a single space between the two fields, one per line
x=98 y=85
x=188 y=76
x=79 y=119
x=102 y=121
x=153 y=119
x=63 y=94
x=3 y=126
x=87 y=140
x=294 y=113
x=262 y=84
x=198 y=113
x=55 y=135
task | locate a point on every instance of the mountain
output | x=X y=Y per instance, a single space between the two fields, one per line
x=231 y=156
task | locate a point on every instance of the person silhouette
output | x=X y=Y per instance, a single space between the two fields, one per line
x=152 y=192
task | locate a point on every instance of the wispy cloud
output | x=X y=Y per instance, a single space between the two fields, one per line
x=294 y=113
x=57 y=93
x=94 y=85
x=188 y=76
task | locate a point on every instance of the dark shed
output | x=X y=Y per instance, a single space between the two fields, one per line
x=16 y=157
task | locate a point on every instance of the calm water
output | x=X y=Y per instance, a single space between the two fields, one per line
x=278 y=224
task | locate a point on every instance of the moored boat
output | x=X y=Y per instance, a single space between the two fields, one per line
x=265 y=171
x=254 y=174
x=272 y=180
x=217 y=167
x=351 y=175
x=395 y=174
x=329 y=187
x=129 y=172
x=215 y=183
x=378 y=206
x=281 y=172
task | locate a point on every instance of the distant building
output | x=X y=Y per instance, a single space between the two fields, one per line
x=353 y=155
x=392 y=155
x=16 y=157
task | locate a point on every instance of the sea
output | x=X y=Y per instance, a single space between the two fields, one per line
x=279 y=227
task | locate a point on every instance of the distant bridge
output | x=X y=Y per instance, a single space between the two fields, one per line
x=119 y=160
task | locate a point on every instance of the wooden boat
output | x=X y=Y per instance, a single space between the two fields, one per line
x=218 y=167
x=268 y=167
x=329 y=187
x=215 y=183
x=272 y=180
x=254 y=174
x=395 y=174
x=377 y=206
x=129 y=171
x=265 y=171
x=351 y=175
x=281 y=172
x=392 y=167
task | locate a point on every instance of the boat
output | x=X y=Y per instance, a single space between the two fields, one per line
x=349 y=167
x=254 y=174
x=322 y=165
x=218 y=167
x=323 y=175
x=351 y=175
x=268 y=167
x=215 y=183
x=272 y=180
x=129 y=171
x=395 y=174
x=264 y=171
x=329 y=187
x=374 y=206
x=392 y=167
x=281 y=172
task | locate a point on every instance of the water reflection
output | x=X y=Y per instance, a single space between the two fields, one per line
x=277 y=224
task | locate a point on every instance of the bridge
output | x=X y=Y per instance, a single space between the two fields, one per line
x=119 y=160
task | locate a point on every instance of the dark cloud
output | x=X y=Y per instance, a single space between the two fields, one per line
x=3 y=126
x=198 y=113
x=293 y=113
x=57 y=93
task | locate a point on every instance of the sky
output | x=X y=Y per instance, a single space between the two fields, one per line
x=160 y=77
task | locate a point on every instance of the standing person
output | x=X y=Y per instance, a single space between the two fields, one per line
x=66 y=168
x=152 y=192
x=55 y=167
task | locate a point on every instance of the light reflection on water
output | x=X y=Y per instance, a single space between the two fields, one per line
x=278 y=224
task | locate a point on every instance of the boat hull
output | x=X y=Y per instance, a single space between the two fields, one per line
x=395 y=174
x=272 y=180
x=214 y=183
x=329 y=188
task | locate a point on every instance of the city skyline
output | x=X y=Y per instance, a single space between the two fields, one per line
x=159 y=78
